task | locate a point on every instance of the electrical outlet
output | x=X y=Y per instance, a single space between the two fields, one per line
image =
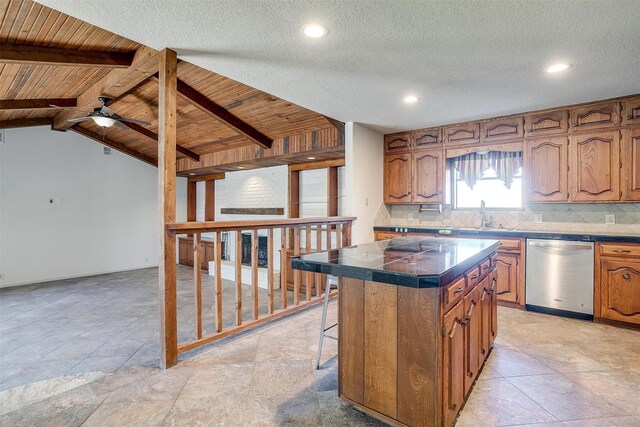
x=1 y=276
x=410 y=216
x=537 y=218
x=366 y=201
x=610 y=219
x=146 y=259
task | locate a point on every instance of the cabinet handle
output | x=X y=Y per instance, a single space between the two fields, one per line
x=622 y=251
x=470 y=312
x=452 y=406
x=457 y=291
x=475 y=276
x=485 y=267
x=626 y=276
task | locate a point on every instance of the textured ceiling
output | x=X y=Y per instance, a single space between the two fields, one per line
x=465 y=59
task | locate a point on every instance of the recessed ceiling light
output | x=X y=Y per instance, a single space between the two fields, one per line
x=311 y=158
x=192 y=174
x=410 y=99
x=240 y=167
x=314 y=31
x=556 y=68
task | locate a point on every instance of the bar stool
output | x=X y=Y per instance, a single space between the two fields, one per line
x=331 y=281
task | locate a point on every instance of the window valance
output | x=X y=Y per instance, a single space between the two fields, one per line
x=470 y=167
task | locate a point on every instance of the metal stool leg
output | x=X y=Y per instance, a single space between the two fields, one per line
x=327 y=290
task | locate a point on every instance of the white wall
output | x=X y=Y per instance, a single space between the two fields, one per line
x=104 y=218
x=363 y=178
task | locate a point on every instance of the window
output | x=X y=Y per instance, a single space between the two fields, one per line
x=488 y=188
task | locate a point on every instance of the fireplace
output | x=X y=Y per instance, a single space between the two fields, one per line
x=263 y=254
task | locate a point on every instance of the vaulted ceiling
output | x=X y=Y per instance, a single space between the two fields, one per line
x=47 y=57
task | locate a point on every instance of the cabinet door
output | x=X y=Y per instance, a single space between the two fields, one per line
x=484 y=297
x=397 y=142
x=620 y=290
x=182 y=251
x=546 y=170
x=453 y=363
x=428 y=176
x=596 y=116
x=501 y=129
x=190 y=253
x=507 y=277
x=427 y=138
x=494 y=305
x=546 y=123
x=630 y=157
x=471 y=338
x=594 y=167
x=397 y=178
x=206 y=250
x=463 y=134
x=632 y=111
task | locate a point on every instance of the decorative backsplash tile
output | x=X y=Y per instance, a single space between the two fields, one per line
x=574 y=217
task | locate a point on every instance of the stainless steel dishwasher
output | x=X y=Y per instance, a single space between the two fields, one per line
x=559 y=277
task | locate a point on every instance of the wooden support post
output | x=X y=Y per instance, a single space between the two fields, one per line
x=294 y=194
x=209 y=200
x=191 y=201
x=167 y=207
x=284 y=270
x=218 y=262
x=332 y=191
x=254 y=272
x=297 y=274
x=197 y=280
x=239 y=277
x=270 y=268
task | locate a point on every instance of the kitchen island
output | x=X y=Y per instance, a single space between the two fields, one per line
x=417 y=318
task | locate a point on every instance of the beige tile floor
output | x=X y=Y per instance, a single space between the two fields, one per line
x=544 y=370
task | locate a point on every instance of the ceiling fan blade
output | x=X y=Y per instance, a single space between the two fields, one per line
x=137 y=121
x=108 y=111
x=120 y=125
x=79 y=119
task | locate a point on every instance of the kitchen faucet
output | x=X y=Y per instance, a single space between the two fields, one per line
x=485 y=222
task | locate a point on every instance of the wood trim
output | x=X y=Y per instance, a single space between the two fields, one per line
x=25 y=123
x=210 y=177
x=510 y=146
x=114 y=144
x=167 y=207
x=154 y=136
x=22 y=54
x=210 y=226
x=32 y=104
x=209 y=200
x=252 y=211
x=191 y=201
x=316 y=165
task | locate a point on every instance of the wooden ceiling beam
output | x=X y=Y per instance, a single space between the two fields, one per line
x=154 y=136
x=21 y=54
x=114 y=84
x=225 y=117
x=209 y=177
x=23 y=123
x=114 y=144
x=32 y=104
x=336 y=123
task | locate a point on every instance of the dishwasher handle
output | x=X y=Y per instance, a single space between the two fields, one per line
x=576 y=246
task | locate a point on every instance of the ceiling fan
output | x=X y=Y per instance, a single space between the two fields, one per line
x=106 y=117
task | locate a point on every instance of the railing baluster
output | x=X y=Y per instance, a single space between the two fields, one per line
x=239 y=277
x=338 y=238
x=318 y=276
x=297 y=274
x=218 y=262
x=270 y=268
x=254 y=272
x=284 y=272
x=308 y=275
x=328 y=237
x=197 y=282
x=346 y=234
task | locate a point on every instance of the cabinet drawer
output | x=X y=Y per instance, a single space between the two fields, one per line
x=509 y=245
x=546 y=123
x=497 y=130
x=485 y=267
x=385 y=235
x=453 y=293
x=596 y=116
x=427 y=138
x=472 y=276
x=616 y=249
x=397 y=142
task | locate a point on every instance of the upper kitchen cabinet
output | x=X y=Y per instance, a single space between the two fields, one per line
x=463 y=134
x=545 y=163
x=632 y=111
x=502 y=129
x=427 y=138
x=630 y=157
x=594 y=167
x=552 y=122
x=428 y=176
x=397 y=142
x=596 y=116
x=397 y=178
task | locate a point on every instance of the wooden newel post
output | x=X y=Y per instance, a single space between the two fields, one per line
x=167 y=206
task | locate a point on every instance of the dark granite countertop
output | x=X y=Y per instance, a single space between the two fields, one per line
x=514 y=233
x=404 y=261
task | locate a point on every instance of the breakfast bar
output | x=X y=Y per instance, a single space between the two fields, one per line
x=417 y=318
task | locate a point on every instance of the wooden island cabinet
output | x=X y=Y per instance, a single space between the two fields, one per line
x=414 y=329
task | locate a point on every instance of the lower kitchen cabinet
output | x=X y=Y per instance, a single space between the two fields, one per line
x=185 y=252
x=453 y=363
x=507 y=269
x=471 y=338
x=618 y=283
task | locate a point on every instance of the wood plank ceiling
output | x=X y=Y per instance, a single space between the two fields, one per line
x=26 y=25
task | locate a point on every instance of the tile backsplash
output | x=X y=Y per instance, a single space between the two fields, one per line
x=574 y=217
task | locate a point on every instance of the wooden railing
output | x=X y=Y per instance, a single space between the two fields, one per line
x=297 y=290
